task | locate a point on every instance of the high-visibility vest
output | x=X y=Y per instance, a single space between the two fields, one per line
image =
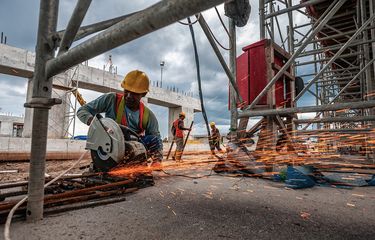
x=144 y=113
x=179 y=132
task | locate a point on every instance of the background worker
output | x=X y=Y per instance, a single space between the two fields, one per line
x=128 y=110
x=177 y=131
x=215 y=138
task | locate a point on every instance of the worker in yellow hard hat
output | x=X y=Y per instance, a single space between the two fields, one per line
x=127 y=109
x=215 y=138
x=178 y=134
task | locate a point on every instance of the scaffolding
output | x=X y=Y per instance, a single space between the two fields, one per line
x=332 y=49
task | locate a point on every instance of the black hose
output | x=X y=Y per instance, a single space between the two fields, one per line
x=199 y=79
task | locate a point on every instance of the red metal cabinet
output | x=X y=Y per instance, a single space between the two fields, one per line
x=256 y=67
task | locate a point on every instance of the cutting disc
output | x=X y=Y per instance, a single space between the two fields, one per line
x=106 y=142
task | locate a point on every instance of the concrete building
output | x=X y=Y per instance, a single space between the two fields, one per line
x=19 y=62
x=11 y=126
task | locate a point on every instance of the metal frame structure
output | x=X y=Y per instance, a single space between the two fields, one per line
x=115 y=32
x=337 y=45
x=333 y=51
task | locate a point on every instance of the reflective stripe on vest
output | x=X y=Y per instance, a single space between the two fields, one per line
x=179 y=132
x=144 y=113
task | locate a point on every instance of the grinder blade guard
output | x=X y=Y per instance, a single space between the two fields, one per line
x=111 y=144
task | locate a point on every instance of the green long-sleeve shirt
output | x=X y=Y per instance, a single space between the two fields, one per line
x=107 y=104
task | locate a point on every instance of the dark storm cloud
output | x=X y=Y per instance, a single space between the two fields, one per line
x=19 y=21
x=13 y=92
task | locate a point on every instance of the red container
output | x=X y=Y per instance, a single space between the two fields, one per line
x=256 y=67
x=257 y=70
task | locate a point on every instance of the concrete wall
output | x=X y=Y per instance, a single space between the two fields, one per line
x=10 y=144
x=23 y=145
x=6 y=124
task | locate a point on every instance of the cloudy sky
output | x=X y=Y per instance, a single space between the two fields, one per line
x=172 y=44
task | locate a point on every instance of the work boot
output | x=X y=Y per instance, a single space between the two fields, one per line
x=178 y=156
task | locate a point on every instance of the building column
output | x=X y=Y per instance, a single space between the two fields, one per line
x=173 y=115
x=58 y=119
x=29 y=112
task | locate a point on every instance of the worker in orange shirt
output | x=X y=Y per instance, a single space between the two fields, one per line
x=178 y=134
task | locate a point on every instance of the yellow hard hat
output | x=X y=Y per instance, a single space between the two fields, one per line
x=136 y=81
x=212 y=124
x=182 y=114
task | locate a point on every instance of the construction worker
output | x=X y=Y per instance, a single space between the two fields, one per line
x=215 y=138
x=128 y=110
x=177 y=131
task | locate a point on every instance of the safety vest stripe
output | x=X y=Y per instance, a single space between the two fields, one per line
x=144 y=113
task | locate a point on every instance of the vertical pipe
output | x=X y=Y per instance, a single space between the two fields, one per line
x=372 y=5
x=262 y=20
x=366 y=50
x=232 y=65
x=290 y=28
x=42 y=88
x=272 y=28
x=316 y=84
x=372 y=73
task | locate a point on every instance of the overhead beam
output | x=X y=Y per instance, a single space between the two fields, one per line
x=320 y=108
x=74 y=24
x=133 y=27
x=337 y=130
x=335 y=119
x=96 y=27
x=295 y=7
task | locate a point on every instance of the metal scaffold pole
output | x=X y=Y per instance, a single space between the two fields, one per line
x=41 y=102
x=232 y=62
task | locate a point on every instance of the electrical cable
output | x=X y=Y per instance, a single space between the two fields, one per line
x=10 y=215
x=213 y=35
x=188 y=24
x=225 y=28
x=196 y=56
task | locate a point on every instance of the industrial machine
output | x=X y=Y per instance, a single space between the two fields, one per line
x=112 y=144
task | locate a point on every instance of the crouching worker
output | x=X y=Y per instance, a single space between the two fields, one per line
x=128 y=110
x=215 y=138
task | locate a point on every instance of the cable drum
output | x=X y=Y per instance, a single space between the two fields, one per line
x=239 y=11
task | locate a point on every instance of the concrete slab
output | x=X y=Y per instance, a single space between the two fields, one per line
x=217 y=207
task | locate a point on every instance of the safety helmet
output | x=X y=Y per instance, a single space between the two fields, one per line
x=212 y=124
x=182 y=114
x=136 y=81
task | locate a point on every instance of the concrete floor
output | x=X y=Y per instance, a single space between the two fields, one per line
x=217 y=207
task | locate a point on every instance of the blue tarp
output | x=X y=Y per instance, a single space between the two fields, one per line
x=372 y=181
x=80 y=137
x=298 y=177
x=307 y=176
